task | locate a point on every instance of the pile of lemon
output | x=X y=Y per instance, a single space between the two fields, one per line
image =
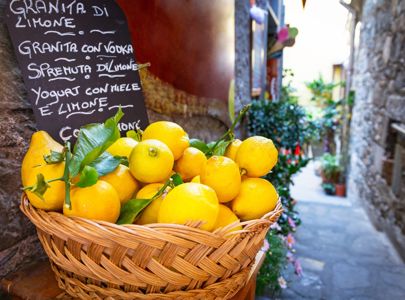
x=217 y=191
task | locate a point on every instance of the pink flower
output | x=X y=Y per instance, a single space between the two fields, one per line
x=298 y=267
x=290 y=240
x=282 y=35
x=291 y=223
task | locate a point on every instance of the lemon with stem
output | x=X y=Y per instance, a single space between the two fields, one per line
x=54 y=196
x=151 y=161
x=170 y=133
x=97 y=202
x=256 y=156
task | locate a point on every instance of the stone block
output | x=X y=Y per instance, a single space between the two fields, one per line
x=381 y=130
x=386 y=54
x=396 y=107
x=378 y=158
x=27 y=250
x=399 y=81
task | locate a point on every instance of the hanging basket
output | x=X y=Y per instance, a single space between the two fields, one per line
x=101 y=260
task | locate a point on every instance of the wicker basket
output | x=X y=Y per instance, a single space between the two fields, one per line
x=101 y=260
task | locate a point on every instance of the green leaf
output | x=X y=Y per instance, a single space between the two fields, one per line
x=131 y=209
x=211 y=144
x=221 y=148
x=177 y=179
x=40 y=187
x=93 y=140
x=106 y=163
x=199 y=144
x=135 y=134
x=55 y=157
x=124 y=161
x=88 y=177
x=231 y=100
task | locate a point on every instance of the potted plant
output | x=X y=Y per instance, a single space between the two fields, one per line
x=330 y=168
x=330 y=172
x=329 y=188
x=340 y=189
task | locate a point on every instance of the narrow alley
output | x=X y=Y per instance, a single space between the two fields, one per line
x=342 y=255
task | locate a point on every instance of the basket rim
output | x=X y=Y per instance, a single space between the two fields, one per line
x=28 y=209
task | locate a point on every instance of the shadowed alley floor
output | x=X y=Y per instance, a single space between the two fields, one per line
x=341 y=253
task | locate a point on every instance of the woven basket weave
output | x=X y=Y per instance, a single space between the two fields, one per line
x=101 y=260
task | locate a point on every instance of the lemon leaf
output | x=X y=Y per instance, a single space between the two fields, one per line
x=88 y=177
x=131 y=209
x=220 y=148
x=177 y=179
x=199 y=144
x=40 y=187
x=124 y=161
x=55 y=157
x=93 y=140
x=106 y=163
x=135 y=134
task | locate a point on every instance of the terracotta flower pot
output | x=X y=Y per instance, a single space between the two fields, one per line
x=340 y=189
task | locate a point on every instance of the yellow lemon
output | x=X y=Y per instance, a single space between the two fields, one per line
x=222 y=174
x=122 y=147
x=190 y=202
x=97 y=202
x=150 y=213
x=169 y=133
x=226 y=217
x=123 y=182
x=232 y=149
x=196 y=179
x=41 y=144
x=54 y=196
x=151 y=161
x=257 y=197
x=256 y=156
x=190 y=164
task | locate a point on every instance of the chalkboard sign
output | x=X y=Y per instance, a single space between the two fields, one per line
x=77 y=62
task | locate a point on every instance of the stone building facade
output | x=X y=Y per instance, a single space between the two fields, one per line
x=377 y=157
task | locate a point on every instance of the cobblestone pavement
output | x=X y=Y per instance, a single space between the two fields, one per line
x=342 y=255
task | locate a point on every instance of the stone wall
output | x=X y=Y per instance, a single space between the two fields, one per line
x=18 y=242
x=379 y=82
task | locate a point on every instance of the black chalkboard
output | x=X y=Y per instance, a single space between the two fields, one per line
x=77 y=63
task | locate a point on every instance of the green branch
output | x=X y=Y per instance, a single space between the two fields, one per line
x=66 y=175
x=230 y=131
